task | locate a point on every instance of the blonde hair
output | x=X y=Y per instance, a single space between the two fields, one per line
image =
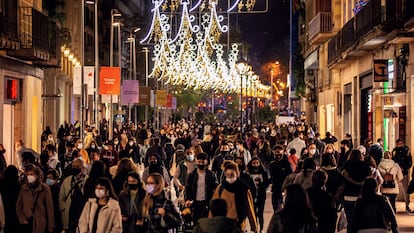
x=148 y=201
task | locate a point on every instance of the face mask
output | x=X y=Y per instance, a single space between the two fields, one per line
x=75 y=171
x=150 y=188
x=80 y=146
x=231 y=180
x=116 y=142
x=312 y=151
x=329 y=151
x=190 y=157
x=223 y=152
x=31 y=179
x=93 y=146
x=131 y=143
x=100 y=193
x=201 y=166
x=106 y=148
x=133 y=186
x=50 y=181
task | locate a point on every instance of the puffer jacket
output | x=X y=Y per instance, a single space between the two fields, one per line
x=109 y=219
x=388 y=165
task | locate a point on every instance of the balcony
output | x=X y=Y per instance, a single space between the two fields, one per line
x=33 y=31
x=8 y=33
x=320 y=28
x=53 y=46
x=368 y=18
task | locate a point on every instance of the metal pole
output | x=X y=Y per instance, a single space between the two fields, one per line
x=271 y=89
x=241 y=104
x=146 y=81
x=96 y=96
x=119 y=65
x=134 y=60
x=111 y=63
x=130 y=70
x=82 y=31
x=212 y=102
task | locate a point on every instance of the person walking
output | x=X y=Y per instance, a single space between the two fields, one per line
x=10 y=189
x=218 y=223
x=34 y=205
x=296 y=214
x=392 y=174
x=130 y=200
x=158 y=213
x=102 y=213
x=237 y=196
x=401 y=155
x=372 y=212
x=279 y=169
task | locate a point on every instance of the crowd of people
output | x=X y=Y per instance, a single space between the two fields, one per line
x=201 y=178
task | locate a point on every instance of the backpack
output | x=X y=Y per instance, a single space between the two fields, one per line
x=388 y=179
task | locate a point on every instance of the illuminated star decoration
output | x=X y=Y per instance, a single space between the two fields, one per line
x=193 y=58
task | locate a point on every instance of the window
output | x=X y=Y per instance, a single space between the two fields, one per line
x=12 y=90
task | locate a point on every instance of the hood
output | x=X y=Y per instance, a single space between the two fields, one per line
x=386 y=164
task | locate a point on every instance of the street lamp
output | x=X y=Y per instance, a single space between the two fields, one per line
x=242 y=68
x=132 y=63
x=146 y=50
x=114 y=13
x=96 y=83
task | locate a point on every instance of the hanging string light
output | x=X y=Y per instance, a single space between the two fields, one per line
x=193 y=58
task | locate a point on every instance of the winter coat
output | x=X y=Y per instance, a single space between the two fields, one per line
x=388 y=165
x=304 y=178
x=323 y=205
x=65 y=199
x=372 y=213
x=210 y=184
x=402 y=156
x=279 y=170
x=353 y=176
x=239 y=201
x=130 y=210
x=36 y=203
x=153 y=222
x=297 y=143
x=219 y=224
x=109 y=219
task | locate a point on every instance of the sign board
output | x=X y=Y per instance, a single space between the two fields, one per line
x=88 y=79
x=144 y=95
x=129 y=92
x=161 y=97
x=168 y=105
x=380 y=70
x=110 y=81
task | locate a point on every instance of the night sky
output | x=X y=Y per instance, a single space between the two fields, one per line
x=267 y=33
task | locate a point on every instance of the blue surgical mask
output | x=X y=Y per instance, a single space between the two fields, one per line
x=50 y=181
x=190 y=157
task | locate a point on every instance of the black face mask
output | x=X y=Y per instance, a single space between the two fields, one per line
x=201 y=166
x=76 y=171
x=133 y=186
x=278 y=156
x=224 y=152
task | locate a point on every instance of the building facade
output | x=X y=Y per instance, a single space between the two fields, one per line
x=360 y=56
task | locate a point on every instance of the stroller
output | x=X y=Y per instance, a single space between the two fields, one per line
x=186 y=214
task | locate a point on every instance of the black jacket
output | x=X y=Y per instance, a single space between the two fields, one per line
x=323 y=205
x=402 y=156
x=211 y=184
x=130 y=210
x=279 y=170
x=372 y=212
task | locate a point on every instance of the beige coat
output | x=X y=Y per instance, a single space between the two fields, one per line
x=388 y=165
x=65 y=200
x=109 y=219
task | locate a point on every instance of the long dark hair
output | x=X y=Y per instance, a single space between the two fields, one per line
x=297 y=210
x=103 y=181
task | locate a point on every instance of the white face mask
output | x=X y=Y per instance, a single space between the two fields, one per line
x=100 y=193
x=131 y=143
x=116 y=142
x=93 y=146
x=80 y=146
x=231 y=180
x=31 y=179
x=150 y=188
x=312 y=151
